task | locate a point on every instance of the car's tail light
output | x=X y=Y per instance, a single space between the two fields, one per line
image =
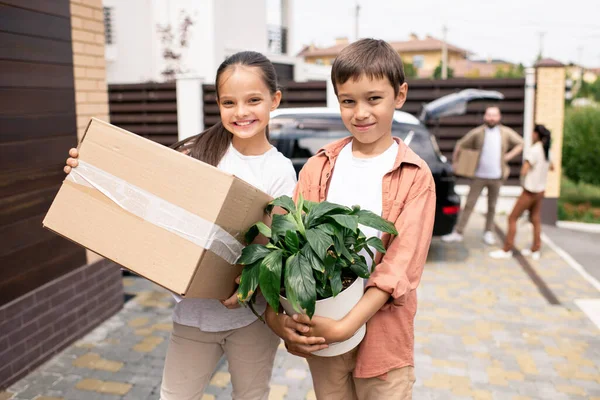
x=451 y=210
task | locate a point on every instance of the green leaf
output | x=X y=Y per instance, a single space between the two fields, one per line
x=336 y=282
x=376 y=243
x=367 y=218
x=284 y=202
x=270 y=278
x=292 y=242
x=322 y=209
x=340 y=247
x=248 y=281
x=324 y=292
x=360 y=267
x=308 y=205
x=255 y=229
x=300 y=286
x=280 y=225
x=347 y=221
x=319 y=241
x=298 y=214
x=329 y=229
x=252 y=254
x=329 y=265
x=312 y=258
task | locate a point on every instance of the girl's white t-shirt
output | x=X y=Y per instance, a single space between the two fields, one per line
x=535 y=180
x=272 y=173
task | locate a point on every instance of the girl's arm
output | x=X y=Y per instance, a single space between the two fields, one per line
x=525 y=168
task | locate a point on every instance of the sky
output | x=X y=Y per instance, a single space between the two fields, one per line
x=507 y=29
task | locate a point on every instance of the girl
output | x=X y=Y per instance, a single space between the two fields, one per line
x=533 y=175
x=204 y=329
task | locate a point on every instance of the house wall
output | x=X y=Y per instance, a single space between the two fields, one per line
x=51 y=73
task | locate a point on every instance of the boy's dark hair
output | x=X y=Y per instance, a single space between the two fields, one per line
x=210 y=146
x=371 y=57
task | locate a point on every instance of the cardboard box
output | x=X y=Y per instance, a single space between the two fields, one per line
x=467 y=163
x=170 y=206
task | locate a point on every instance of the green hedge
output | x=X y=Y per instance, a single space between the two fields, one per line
x=581 y=145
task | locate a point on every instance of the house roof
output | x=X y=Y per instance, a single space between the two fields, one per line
x=486 y=69
x=549 y=62
x=428 y=44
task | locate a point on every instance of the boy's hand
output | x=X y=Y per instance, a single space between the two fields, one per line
x=232 y=302
x=289 y=330
x=332 y=330
x=71 y=161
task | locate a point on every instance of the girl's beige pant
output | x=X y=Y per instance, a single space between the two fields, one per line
x=192 y=357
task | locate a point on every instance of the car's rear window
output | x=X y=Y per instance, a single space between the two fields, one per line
x=300 y=137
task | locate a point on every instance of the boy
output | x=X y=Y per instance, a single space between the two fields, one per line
x=381 y=174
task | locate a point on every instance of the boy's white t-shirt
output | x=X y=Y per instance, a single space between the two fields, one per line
x=359 y=181
x=272 y=173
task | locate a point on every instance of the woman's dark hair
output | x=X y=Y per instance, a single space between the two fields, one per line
x=210 y=146
x=544 y=135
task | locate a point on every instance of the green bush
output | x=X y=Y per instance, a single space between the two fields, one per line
x=581 y=144
x=579 y=202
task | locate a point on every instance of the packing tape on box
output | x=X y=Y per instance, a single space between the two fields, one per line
x=159 y=212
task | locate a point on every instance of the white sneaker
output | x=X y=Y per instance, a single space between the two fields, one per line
x=498 y=254
x=452 y=237
x=489 y=238
x=535 y=255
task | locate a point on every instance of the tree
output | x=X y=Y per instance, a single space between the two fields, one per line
x=174 y=48
x=410 y=71
x=590 y=90
x=437 y=74
x=514 y=71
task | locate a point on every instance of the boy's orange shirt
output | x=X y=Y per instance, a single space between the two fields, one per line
x=408 y=201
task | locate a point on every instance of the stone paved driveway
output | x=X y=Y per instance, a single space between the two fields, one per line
x=483 y=331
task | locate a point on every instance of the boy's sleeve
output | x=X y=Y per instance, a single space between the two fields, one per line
x=401 y=267
x=302 y=185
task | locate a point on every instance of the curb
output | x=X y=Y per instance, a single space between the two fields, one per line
x=579 y=226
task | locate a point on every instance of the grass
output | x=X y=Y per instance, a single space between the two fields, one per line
x=579 y=202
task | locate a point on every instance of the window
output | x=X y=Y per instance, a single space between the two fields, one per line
x=418 y=61
x=108 y=26
x=299 y=137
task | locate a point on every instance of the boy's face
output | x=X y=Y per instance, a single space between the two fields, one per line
x=367 y=107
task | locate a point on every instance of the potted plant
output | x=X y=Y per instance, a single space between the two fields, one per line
x=314 y=253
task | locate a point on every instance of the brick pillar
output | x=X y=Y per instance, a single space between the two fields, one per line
x=91 y=91
x=550 y=111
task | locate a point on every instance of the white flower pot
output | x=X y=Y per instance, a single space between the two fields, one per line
x=336 y=308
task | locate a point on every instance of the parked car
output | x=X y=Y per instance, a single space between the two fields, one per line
x=300 y=132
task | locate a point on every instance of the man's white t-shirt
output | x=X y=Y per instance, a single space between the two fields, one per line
x=535 y=180
x=490 y=161
x=359 y=181
x=272 y=173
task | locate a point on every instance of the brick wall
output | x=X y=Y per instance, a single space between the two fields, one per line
x=91 y=92
x=550 y=111
x=48 y=319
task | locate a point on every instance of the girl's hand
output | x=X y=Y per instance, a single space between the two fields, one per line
x=232 y=302
x=332 y=330
x=71 y=161
x=289 y=330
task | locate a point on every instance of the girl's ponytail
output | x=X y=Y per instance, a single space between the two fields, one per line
x=209 y=146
